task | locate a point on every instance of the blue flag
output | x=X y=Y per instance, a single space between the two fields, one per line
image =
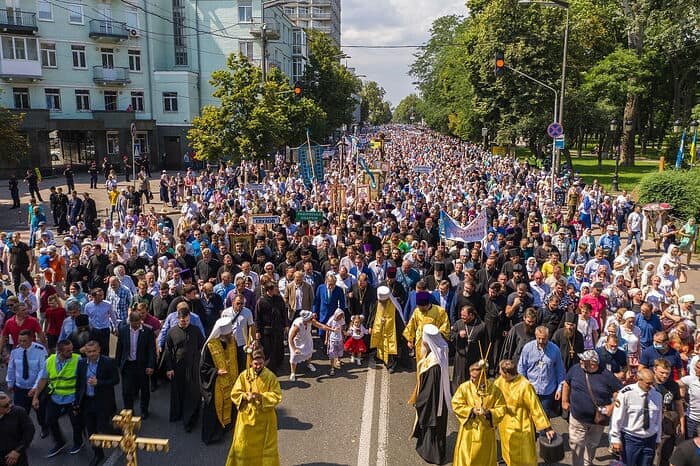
x=679 y=155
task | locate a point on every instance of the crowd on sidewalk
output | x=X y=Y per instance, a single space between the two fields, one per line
x=556 y=302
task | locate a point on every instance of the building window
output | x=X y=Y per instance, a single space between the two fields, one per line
x=79 y=60
x=137 y=101
x=245 y=11
x=170 y=101
x=303 y=11
x=110 y=101
x=82 y=100
x=179 y=37
x=107 y=58
x=112 y=142
x=134 y=60
x=76 y=14
x=53 y=99
x=48 y=55
x=297 y=68
x=141 y=143
x=246 y=48
x=132 y=18
x=19 y=48
x=21 y=96
x=44 y=10
x=289 y=11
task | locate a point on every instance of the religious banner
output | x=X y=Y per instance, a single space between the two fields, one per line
x=363 y=193
x=308 y=216
x=452 y=230
x=266 y=219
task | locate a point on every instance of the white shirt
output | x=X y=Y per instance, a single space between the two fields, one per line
x=628 y=414
x=693 y=384
x=634 y=222
x=241 y=324
x=134 y=339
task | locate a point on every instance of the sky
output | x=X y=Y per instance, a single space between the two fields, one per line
x=390 y=22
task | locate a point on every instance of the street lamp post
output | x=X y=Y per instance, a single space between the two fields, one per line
x=614 y=134
x=484 y=134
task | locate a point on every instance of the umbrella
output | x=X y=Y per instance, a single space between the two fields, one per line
x=657 y=206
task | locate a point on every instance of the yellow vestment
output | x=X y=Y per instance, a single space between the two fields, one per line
x=255 y=435
x=413 y=332
x=226 y=359
x=384 y=330
x=516 y=429
x=476 y=440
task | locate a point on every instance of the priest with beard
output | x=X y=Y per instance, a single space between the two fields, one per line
x=385 y=328
x=497 y=324
x=218 y=372
x=271 y=325
x=431 y=397
x=520 y=335
x=569 y=340
x=468 y=335
x=181 y=359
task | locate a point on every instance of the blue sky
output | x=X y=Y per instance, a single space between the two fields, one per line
x=390 y=22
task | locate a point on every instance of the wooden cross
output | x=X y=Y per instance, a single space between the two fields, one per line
x=128 y=442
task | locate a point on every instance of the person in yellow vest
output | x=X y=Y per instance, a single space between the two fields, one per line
x=218 y=372
x=256 y=394
x=479 y=406
x=425 y=313
x=385 y=322
x=59 y=375
x=524 y=409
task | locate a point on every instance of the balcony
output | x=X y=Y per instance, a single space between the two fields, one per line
x=118 y=76
x=321 y=2
x=18 y=22
x=20 y=71
x=320 y=15
x=108 y=31
x=324 y=29
x=273 y=32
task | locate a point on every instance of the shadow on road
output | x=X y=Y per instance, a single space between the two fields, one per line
x=290 y=422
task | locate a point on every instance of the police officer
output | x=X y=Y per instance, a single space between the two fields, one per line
x=23 y=370
x=635 y=427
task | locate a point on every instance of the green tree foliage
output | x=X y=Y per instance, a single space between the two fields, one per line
x=635 y=60
x=680 y=188
x=254 y=118
x=12 y=140
x=373 y=109
x=410 y=106
x=328 y=83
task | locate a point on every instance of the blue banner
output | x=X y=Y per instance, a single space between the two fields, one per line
x=365 y=167
x=474 y=231
x=306 y=161
x=679 y=155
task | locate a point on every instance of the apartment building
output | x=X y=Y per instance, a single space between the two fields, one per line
x=88 y=73
x=321 y=15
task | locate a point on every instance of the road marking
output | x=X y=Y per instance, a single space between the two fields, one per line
x=382 y=426
x=365 y=442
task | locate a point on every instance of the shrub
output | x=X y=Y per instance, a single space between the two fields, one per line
x=680 y=188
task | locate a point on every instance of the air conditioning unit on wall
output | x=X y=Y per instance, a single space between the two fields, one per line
x=133 y=32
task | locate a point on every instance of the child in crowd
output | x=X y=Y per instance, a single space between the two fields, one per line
x=334 y=339
x=355 y=344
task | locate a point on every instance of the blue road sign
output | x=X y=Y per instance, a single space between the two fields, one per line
x=559 y=142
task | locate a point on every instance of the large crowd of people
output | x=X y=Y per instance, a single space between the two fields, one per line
x=557 y=303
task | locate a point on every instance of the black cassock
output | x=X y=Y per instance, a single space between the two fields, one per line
x=270 y=320
x=570 y=347
x=182 y=354
x=430 y=429
x=518 y=337
x=467 y=349
x=212 y=431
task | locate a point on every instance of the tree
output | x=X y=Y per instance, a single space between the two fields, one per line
x=409 y=110
x=373 y=109
x=253 y=119
x=12 y=140
x=328 y=83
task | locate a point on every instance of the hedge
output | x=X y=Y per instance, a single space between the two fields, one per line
x=680 y=188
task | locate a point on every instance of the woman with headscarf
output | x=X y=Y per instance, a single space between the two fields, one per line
x=301 y=344
x=627 y=262
x=673 y=258
x=431 y=397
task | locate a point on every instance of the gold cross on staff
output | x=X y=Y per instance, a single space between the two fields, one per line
x=128 y=442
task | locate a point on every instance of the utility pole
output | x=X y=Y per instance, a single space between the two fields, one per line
x=263 y=36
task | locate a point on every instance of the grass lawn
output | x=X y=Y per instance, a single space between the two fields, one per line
x=587 y=167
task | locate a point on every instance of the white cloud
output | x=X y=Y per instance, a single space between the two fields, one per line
x=390 y=22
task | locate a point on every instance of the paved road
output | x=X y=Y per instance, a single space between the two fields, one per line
x=358 y=417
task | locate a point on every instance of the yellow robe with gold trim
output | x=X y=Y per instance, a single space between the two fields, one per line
x=384 y=337
x=413 y=332
x=523 y=408
x=255 y=435
x=476 y=439
x=224 y=359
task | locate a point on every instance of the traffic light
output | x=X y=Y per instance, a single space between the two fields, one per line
x=500 y=64
x=297 y=90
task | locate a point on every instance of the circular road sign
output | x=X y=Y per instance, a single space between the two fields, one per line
x=555 y=130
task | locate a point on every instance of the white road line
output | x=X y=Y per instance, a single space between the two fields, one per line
x=382 y=426
x=365 y=442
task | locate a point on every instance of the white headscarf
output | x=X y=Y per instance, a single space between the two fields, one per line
x=341 y=322
x=433 y=340
x=223 y=326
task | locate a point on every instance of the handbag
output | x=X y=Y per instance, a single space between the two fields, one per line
x=599 y=418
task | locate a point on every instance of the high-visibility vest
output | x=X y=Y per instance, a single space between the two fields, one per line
x=64 y=382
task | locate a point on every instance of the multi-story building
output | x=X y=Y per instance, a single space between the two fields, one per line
x=322 y=15
x=87 y=72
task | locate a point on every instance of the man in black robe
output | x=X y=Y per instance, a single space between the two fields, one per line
x=62 y=211
x=569 y=340
x=468 y=335
x=181 y=358
x=89 y=214
x=497 y=324
x=432 y=398
x=519 y=335
x=271 y=325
